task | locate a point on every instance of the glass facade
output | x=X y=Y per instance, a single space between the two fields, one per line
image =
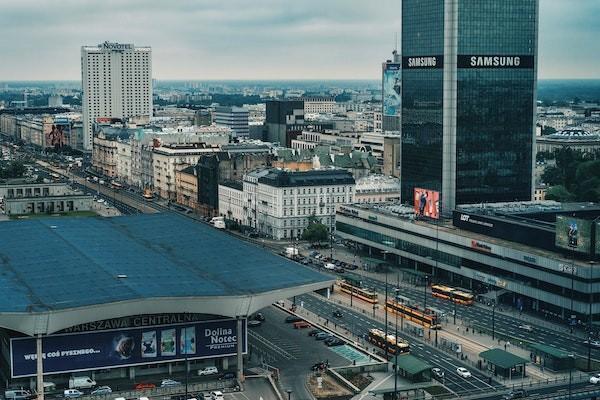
x=495 y=105
x=495 y=98
x=422 y=36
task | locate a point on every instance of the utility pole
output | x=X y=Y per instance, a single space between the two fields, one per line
x=590 y=322
x=386 y=314
x=396 y=360
x=425 y=295
x=454 y=302
x=185 y=343
x=493 y=320
x=331 y=216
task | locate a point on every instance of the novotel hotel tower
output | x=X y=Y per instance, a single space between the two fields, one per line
x=469 y=70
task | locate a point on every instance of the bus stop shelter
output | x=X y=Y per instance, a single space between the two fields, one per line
x=412 y=368
x=503 y=363
x=550 y=357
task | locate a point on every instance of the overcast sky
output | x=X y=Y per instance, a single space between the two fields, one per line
x=255 y=39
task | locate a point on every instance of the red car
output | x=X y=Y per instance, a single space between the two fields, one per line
x=144 y=386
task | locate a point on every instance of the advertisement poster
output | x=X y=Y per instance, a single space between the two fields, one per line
x=126 y=347
x=56 y=134
x=392 y=89
x=427 y=203
x=573 y=234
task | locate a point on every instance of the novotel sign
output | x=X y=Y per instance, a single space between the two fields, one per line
x=423 y=62
x=116 y=46
x=495 y=61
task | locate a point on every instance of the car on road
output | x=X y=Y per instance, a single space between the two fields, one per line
x=320 y=366
x=206 y=396
x=322 y=335
x=515 y=394
x=254 y=323
x=208 y=371
x=72 y=393
x=144 y=386
x=595 y=379
x=525 y=327
x=169 y=383
x=216 y=395
x=463 y=372
x=593 y=343
x=337 y=314
x=437 y=373
x=292 y=318
x=101 y=390
x=227 y=375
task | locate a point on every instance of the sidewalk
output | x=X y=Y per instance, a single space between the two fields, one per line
x=344 y=254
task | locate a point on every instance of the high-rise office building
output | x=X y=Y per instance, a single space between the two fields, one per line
x=469 y=71
x=391 y=91
x=284 y=120
x=235 y=118
x=116 y=79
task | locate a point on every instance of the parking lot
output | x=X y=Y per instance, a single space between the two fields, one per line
x=290 y=350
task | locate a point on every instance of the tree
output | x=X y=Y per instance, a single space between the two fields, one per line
x=548 y=130
x=315 y=231
x=559 y=193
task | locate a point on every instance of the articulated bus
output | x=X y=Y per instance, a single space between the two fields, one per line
x=394 y=346
x=427 y=318
x=449 y=293
x=355 y=288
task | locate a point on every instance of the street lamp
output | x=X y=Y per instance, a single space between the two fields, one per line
x=571 y=362
x=289 y=393
x=425 y=294
x=493 y=320
x=590 y=300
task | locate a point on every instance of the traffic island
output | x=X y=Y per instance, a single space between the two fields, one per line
x=325 y=386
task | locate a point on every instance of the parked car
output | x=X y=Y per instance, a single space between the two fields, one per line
x=292 y=318
x=254 y=323
x=72 y=393
x=101 y=390
x=208 y=371
x=49 y=386
x=301 y=325
x=314 y=332
x=169 y=383
x=144 y=386
x=526 y=327
x=18 y=394
x=437 y=373
x=206 y=396
x=595 y=379
x=337 y=314
x=322 y=335
x=334 y=341
x=515 y=394
x=463 y=372
x=216 y=395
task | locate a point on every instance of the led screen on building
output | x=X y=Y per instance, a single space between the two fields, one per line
x=72 y=352
x=392 y=89
x=427 y=203
x=573 y=234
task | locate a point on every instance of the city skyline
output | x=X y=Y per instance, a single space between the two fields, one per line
x=201 y=40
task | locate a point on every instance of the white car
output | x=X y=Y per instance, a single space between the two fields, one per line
x=463 y=372
x=208 y=371
x=72 y=393
x=593 y=343
x=216 y=395
x=527 y=328
x=169 y=383
x=595 y=379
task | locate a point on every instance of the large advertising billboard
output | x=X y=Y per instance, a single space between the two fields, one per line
x=72 y=352
x=392 y=89
x=57 y=134
x=573 y=233
x=427 y=203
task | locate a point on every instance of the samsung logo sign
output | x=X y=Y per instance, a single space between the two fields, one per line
x=425 y=62
x=494 y=61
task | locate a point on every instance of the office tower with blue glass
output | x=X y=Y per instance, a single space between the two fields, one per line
x=469 y=71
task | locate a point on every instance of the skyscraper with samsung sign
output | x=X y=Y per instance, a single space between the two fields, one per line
x=469 y=71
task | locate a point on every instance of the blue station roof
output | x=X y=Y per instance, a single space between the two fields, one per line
x=61 y=263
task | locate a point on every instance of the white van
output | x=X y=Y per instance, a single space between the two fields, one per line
x=208 y=371
x=216 y=395
x=329 y=266
x=85 y=382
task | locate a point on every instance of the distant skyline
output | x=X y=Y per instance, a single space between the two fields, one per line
x=264 y=39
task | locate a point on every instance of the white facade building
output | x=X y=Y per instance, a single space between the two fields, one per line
x=116 y=82
x=231 y=202
x=319 y=105
x=376 y=189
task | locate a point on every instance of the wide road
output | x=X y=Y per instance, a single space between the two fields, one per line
x=505 y=325
x=360 y=324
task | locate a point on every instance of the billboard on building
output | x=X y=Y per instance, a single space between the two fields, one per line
x=70 y=352
x=392 y=89
x=57 y=134
x=573 y=233
x=427 y=203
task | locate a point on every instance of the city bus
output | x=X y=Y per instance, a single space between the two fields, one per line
x=449 y=293
x=394 y=346
x=356 y=288
x=427 y=318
